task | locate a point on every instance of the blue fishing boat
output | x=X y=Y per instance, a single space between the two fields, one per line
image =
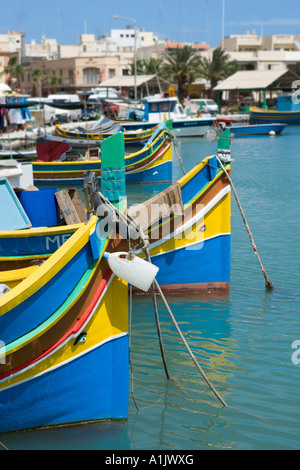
x=257 y=129
x=287 y=112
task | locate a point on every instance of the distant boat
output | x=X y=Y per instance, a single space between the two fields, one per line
x=18 y=155
x=157 y=109
x=256 y=129
x=151 y=164
x=79 y=138
x=287 y=112
x=270 y=115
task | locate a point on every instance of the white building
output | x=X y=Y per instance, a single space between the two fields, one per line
x=276 y=52
x=126 y=37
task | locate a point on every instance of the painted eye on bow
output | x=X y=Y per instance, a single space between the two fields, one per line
x=81 y=338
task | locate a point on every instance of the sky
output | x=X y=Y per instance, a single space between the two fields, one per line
x=179 y=20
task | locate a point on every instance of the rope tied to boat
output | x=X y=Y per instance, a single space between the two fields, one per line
x=177 y=149
x=269 y=284
x=145 y=246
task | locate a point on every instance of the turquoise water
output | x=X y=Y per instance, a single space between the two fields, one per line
x=242 y=341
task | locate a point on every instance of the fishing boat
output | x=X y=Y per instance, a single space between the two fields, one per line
x=157 y=109
x=270 y=115
x=80 y=138
x=64 y=337
x=257 y=129
x=190 y=242
x=188 y=226
x=64 y=355
x=151 y=164
x=287 y=112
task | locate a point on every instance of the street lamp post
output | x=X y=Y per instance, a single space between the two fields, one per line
x=135 y=31
x=223 y=23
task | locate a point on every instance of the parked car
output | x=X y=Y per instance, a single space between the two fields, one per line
x=113 y=109
x=108 y=108
x=206 y=105
x=88 y=115
x=48 y=112
x=66 y=115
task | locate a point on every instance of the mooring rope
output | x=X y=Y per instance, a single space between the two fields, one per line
x=146 y=251
x=269 y=284
x=145 y=243
x=188 y=348
x=176 y=148
x=2 y=445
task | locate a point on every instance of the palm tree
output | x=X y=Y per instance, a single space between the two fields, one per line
x=139 y=67
x=55 y=82
x=14 y=71
x=37 y=78
x=217 y=68
x=19 y=71
x=181 y=65
x=152 y=66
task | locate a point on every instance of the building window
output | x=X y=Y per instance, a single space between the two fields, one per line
x=71 y=77
x=111 y=73
x=91 y=76
x=125 y=72
x=269 y=67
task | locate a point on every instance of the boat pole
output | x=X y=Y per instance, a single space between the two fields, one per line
x=224 y=155
x=269 y=284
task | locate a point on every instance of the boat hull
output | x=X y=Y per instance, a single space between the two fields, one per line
x=85 y=387
x=284 y=117
x=259 y=129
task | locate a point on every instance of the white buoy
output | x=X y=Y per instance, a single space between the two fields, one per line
x=134 y=270
x=272 y=133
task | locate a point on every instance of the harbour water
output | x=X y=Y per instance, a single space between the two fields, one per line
x=245 y=342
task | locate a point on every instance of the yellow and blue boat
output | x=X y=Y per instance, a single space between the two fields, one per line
x=64 y=334
x=287 y=112
x=274 y=116
x=191 y=246
x=64 y=338
x=188 y=226
x=82 y=138
x=151 y=164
